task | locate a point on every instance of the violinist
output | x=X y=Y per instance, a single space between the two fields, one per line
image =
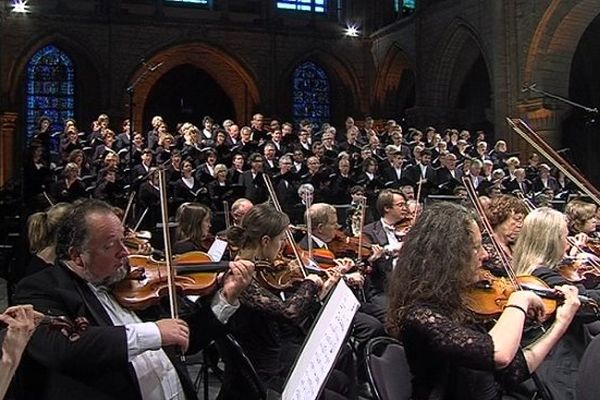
x=368 y=321
x=506 y=214
x=392 y=206
x=193 y=228
x=539 y=250
x=41 y=229
x=582 y=222
x=239 y=209
x=258 y=323
x=450 y=355
x=118 y=356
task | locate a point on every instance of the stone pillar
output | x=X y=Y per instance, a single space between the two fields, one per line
x=7 y=145
x=545 y=120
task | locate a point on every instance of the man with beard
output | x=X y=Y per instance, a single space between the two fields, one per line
x=118 y=356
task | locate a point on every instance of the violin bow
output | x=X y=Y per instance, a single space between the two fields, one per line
x=306 y=192
x=531 y=137
x=288 y=234
x=227 y=215
x=162 y=184
x=128 y=208
x=487 y=227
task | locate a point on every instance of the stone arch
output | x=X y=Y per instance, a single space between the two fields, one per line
x=445 y=77
x=554 y=43
x=346 y=93
x=389 y=80
x=238 y=82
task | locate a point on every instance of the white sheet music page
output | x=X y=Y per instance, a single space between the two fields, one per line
x=322 y=346
x=217 y=249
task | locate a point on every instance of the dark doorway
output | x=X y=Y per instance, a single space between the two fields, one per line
x=474 y=99
x=187 y=94
x=581 y=129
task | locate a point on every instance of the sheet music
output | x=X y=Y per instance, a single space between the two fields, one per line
x=217 y=249
x=322 y=346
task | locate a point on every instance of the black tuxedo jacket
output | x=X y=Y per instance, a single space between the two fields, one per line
x=256 y=191
x=96 y=365
x=383 y=266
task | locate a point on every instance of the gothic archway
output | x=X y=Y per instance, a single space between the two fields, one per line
x=394 y=84
x=236 y=80
x=186 y=94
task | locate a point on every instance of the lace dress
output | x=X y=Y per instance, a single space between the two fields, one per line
x=452 y=361
x=256 y=325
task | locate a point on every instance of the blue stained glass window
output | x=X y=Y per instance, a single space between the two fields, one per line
x=310 y=93
x=200 y=2
x=404 y=6
x=318 y=6
x=50 y=88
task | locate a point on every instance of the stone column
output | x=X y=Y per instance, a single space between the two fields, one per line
x=7 y=145
x=544 y=119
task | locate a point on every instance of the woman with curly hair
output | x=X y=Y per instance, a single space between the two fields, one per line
x=506 y=214
x=450 y=355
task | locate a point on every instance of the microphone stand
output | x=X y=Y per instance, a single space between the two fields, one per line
x=130 y=92
x=532 y=88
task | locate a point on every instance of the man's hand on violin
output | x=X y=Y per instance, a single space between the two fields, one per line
x=355 y=279
x=333 y=277
x=237 y=279
x=377 y=252
x=174 y=332
x=344 y=265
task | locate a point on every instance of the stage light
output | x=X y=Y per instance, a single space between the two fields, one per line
x=351 y=31
x=20 y=6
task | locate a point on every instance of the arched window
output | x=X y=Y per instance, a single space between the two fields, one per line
x=50 y=88
x=310 y=93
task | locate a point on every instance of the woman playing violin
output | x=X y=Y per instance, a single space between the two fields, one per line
x=258 y=323
x=506 y=214
x=193 y=228
x=582 y=223
x=541 y=247
x=450 y=355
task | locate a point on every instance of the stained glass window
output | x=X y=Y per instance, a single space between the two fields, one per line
x=310 y=93
x=318 y=6
x=50 y=88
x=192 y=2
x=406 y=7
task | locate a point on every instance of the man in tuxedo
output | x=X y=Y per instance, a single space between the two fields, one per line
x=448 y=176
x=392 y=172
x=518 y=183
x=118 y=356
x=252 y=180
x=423 y=172
x=392 y=206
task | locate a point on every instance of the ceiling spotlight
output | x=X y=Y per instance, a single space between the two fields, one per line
x=351 y=31
x=20 y=6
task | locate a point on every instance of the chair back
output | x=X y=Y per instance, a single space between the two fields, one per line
x=240 y=379
x=387 y=367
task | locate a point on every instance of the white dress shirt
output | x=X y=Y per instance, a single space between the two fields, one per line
x=156 y=374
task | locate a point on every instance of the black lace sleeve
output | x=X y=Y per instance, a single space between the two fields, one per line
x=460 y=345
x=295 y=308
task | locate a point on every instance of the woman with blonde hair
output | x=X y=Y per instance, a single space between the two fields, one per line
x=41 y=229
x=539 y=251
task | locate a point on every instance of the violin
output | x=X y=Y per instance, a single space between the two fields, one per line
x=70 y=329
x=138 y=242
x=344 y=245
x=489 y=295
x=147 y=283
x=580 y=270
x=147 y=280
